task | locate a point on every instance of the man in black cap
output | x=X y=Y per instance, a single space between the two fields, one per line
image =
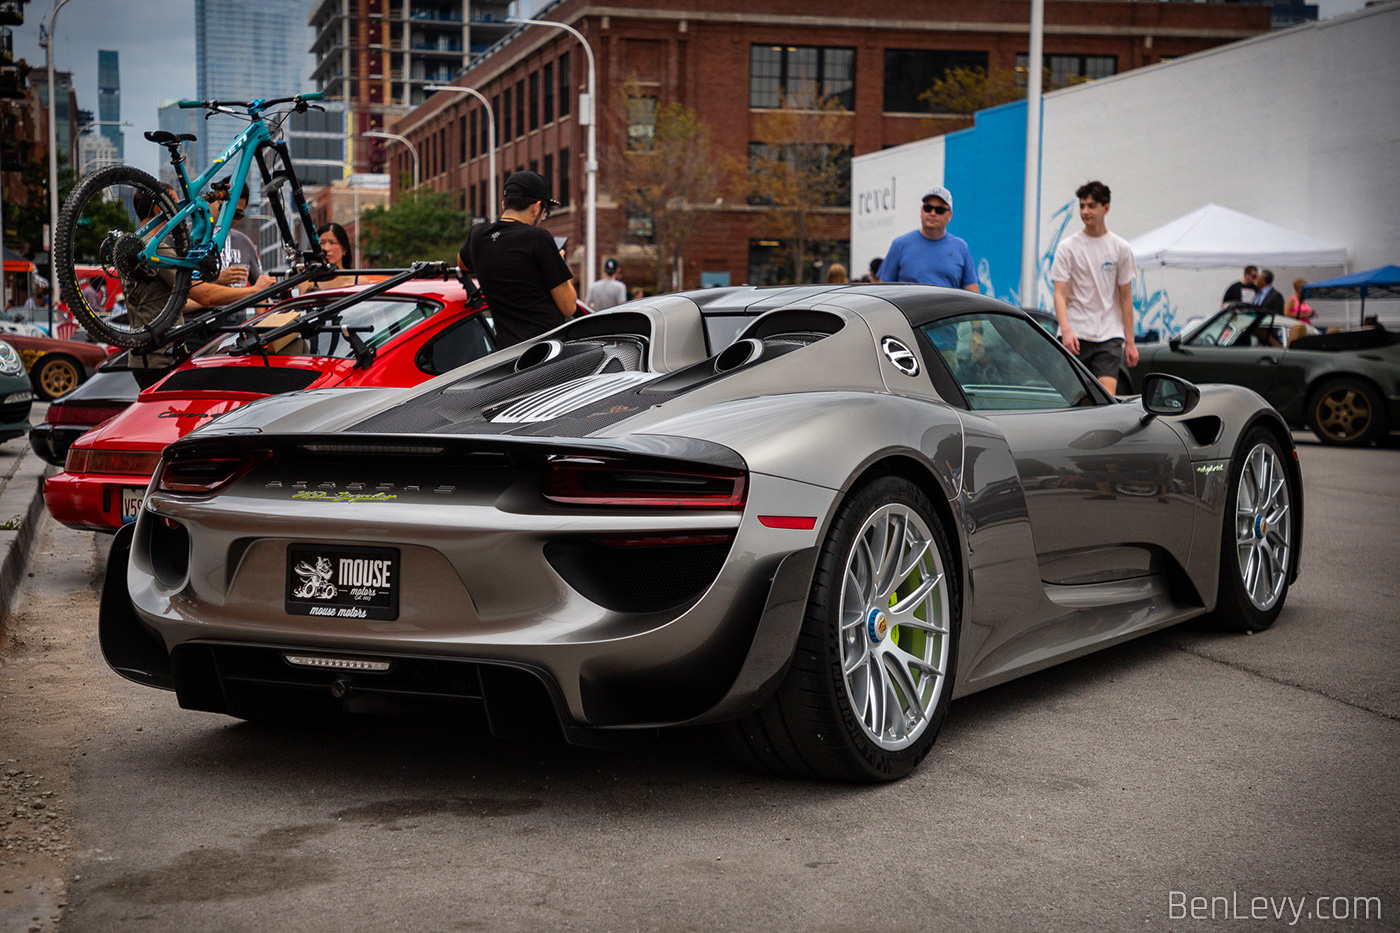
x=609 y=291
x=528 y=286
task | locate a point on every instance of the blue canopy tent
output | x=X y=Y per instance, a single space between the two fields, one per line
x=1377 y=283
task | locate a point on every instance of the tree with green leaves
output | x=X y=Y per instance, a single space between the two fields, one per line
x=668 y=176
x=961 y=92
x=422 y=225
x=800 y=166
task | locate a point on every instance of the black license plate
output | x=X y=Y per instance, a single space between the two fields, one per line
x=339 y=582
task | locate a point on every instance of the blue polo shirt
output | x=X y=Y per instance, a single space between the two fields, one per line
x=915 y=258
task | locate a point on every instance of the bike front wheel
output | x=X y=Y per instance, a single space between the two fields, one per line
x=99 y=226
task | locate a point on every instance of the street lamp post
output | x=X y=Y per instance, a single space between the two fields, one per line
x=53 y=155
x=590 y=167
x=73 y=155
x=412 y=149
x=1030 y=217
x=491 y=204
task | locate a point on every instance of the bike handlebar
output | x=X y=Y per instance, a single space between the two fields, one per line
x=297 y=98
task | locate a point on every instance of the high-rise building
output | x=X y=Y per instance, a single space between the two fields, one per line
x=109 y=100
x=246 y=49
x=378 y=56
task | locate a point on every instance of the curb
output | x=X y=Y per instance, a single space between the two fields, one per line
x=21 y=494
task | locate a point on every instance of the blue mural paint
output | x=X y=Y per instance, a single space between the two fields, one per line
x=984 y=168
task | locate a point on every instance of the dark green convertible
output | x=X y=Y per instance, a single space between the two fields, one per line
x=1345 y=386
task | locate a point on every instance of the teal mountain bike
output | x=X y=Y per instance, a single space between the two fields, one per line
x=127 y=222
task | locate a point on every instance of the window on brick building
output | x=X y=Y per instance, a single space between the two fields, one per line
x=471 y=202
x=520 y=107
x=771 y=262
x=640 y=228
x=496 y=113
x=813 y=166
x=534 y=100
x=548 y=81
x=800 y=76
x=563 y=191
x=549 y=170
x=506 y=111
x=462 y=139
x=486 y=208
x=641 y=122
x=564 y=83
x=471 y=134
x=911 y=72
x=1067 y=69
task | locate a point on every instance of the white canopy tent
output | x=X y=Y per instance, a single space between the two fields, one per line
x=1217 y=236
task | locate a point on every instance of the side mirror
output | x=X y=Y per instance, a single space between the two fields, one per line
x=1174 y=343
x=1168 y=395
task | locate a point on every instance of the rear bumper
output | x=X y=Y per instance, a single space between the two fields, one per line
x=92 y=501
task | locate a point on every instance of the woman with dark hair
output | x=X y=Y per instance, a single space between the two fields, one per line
x=336 y=243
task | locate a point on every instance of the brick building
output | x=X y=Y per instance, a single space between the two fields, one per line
x=731 y=62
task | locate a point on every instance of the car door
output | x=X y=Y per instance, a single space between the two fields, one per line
x=1108 y=491
x=1238 y=347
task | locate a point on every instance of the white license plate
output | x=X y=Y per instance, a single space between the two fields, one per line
x=131 y=503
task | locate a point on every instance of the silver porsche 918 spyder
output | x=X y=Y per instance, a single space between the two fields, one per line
x=814 y=515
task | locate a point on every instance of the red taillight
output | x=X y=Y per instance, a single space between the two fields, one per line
x=82 y=414
x=611 y=481
x=122 y=462
x=201 y=476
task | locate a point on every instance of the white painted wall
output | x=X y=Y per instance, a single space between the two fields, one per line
x=886 y=191
x=1300 y=128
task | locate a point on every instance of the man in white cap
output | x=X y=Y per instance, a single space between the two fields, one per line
x=931 y=255
x=609 y=291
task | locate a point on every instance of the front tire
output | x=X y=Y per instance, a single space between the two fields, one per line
x=1257 y=539
x=98 y=224
x=870 y=682
x=1347 y=413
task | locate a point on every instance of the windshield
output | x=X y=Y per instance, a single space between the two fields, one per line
x=1224 y=329
x=383 y=318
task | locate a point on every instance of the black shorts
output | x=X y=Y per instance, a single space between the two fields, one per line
x=1103 y=357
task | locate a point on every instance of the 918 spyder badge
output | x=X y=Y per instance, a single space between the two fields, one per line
x=343 y=582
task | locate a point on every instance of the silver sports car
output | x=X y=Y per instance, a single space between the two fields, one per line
x=814 y=515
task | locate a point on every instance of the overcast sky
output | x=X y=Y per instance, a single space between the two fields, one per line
x=155 y=39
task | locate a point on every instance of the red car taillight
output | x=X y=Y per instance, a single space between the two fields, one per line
x=83 y=414
x=610 y=481
x=122 y=462
x=202 y=476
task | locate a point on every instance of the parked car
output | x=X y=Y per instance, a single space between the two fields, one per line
x=784 y=510
x=402 y=337
x=16 y=396
x=1344 y=386
x=56 y=367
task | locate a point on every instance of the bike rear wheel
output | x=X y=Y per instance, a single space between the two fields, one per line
x=98 y=225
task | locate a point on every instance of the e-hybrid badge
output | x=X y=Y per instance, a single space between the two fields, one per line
x=343 y=582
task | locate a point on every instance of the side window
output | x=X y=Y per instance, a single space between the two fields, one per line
x=461 y=343
x=1004 y=363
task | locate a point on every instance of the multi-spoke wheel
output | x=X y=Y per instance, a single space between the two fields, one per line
x=54 y=376
x=1257 y=554
x=1347 y=413
x=869 y=685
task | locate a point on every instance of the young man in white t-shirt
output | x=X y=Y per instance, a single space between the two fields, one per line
x=1093 y=274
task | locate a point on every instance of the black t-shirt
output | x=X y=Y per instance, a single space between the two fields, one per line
x=517 y=265
x=1236 y=292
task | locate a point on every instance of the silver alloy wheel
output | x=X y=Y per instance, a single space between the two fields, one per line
x=894 y=626
x=1263 y=526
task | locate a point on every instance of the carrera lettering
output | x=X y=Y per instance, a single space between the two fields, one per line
x=184 y=414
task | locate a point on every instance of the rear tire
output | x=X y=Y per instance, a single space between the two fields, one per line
x=1257 y=538
x=98 y=224
x=872 y=675
x=1347 y=413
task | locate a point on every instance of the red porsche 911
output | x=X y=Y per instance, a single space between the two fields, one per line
x=385 y=334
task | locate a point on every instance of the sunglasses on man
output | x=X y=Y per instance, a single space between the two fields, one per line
x=938 y=209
